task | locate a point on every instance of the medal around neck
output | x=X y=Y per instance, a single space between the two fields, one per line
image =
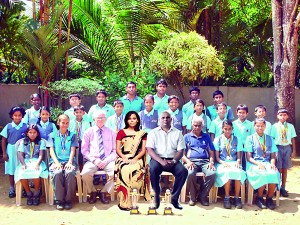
x=152 y=208
x=134 y=199
x=168 y=208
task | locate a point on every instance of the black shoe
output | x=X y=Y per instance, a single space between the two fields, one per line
x=93 y=197
x=124 y=209
x=68 y=205
x=12 y=194
x=36 y=200
x=238 y=203
x=192 y=203
x=176 y=204
x=227 y=204
x=29 y=200
x=203 y=201
x=157 y=202
x=24 y=194
x=59 y=205
x=270 y=203
x=259 y=201
x=284 y=193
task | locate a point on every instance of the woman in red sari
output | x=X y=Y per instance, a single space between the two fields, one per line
x=130 y=168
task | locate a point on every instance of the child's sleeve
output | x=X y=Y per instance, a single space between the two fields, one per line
x=4 y=132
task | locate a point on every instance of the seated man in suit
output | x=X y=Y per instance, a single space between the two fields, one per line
x=99 y=152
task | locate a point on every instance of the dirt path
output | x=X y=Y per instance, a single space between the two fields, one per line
x=286 y=213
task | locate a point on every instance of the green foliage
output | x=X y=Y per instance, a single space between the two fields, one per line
x=41 y=47
x=11 y=61
x=63 y=88
x=55 y=112
x=184 y=58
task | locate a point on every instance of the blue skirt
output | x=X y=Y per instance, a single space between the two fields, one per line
x=10 y=165
x=30 y=172
x=259 y=178
x=224 y=174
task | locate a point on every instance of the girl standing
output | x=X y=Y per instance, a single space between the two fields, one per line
x=44 y=125
x=260 y=168
x=11 y=133
x=33 y=113
x=63 y=144
x=228 y=155
x=199 y=112
x=31 y=150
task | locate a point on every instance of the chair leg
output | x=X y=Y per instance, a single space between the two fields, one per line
x=183 y=193
x=79 y=186
x=46 y=188
x=243 y=193
x=18 y=193
x=84 y=193
x=51 y=192
x=215 y=194
x=250 y=194
x=277 y=197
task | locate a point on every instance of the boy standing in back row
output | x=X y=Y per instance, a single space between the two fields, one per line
x=284 y=136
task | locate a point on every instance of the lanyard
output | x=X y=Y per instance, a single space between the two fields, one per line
x=63 y=139
x=78 y=129
x=262 y=145
x=283 y=128
x=228 y=144
x=32 y=146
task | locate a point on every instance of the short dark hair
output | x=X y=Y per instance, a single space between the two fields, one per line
x=199 y=101
x=242 y=107
x=101 y=92
x=131 y=82
x=222 y=104
x=282 y=110
x=149 y=96
x=74 y=95
x=227 y=122
x=194 y=88
x=38 y=137
x=118 y=102
x=162 y=81
x=35 y=95
x=260 y=107
x=172 y=97
x=79 y=107
x=257 y=120
x=218 y=92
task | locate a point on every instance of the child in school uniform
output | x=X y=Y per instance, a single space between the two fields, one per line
x=116 y=121
x=261 y=164
x=179 y=119
x=101 y=96
x=260 y=112
x=78 y=127
x=161 y=98
x=215 y=128
x=74 y=100
x=44 y=124
x=284 y=136
x=63 y=146
x=33 y=113
x=218 y=97
x=31 y=151
x=242 y=128
x=199 y=108
x=11 y=133
x=148 y=116
x=228 y=156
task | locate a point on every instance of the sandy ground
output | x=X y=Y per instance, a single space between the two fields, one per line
x=84 y=213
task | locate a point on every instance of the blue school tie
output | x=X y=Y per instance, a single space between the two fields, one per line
x=100 y=144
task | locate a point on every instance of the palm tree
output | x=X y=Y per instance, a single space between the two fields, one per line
x=42 y=50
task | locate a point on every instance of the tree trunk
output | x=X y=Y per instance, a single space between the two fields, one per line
x=285 y=35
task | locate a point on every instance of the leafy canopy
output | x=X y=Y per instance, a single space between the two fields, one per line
x=186 y=57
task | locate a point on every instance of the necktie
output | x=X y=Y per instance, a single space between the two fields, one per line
x=100 y=144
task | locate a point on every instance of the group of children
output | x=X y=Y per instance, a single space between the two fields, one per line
x=259 y=140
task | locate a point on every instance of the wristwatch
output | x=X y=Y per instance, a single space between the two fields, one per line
x=174 y=161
